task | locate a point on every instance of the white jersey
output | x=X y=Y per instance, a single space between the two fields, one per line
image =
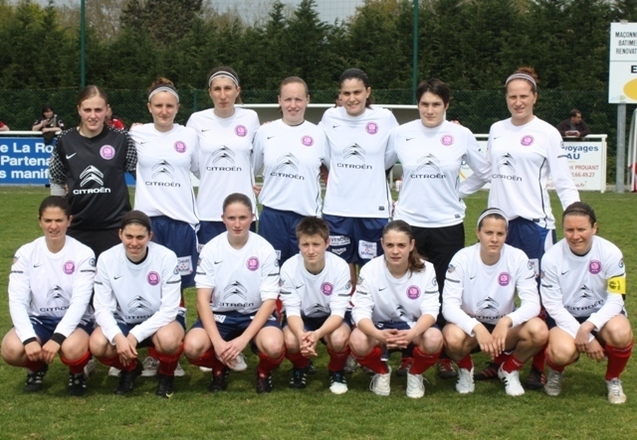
x=291 y=157
x=46 y=284
x=477 y=293
x=431 y=158
x=147 y=294
x=382 y=298
x=358 y=157
x=241 y=279
x=582 y=286
x=225 y=158
x=522 y=159
x=164 y=163
x=324 y=294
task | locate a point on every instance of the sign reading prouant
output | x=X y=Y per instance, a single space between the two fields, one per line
x=622 y=81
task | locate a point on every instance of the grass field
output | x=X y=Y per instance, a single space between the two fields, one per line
x=580 y=412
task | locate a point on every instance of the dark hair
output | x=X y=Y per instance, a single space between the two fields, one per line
x=415 y=261
x=231 y=71
x=237 y=198
x=292 y=80
x=47 y=108
x=55 y=202
x=574 y=112
x=162 y=82
x=313 y=226
x=527 y=70
x=435 y=86
x=90 y=92
x=580 y=208
x=358 y=74
x=136 y=217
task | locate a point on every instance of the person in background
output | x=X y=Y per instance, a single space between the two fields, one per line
x=49 y=124
x=114 y=121
x=574 y=126
x=4 y=127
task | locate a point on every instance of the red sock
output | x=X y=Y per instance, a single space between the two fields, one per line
x=549 y=362
x=373 y=362
x=208 y=360
x=115 y=362
x=539 y=360
x=422 y=360
x=267 y=364
x=338 y=359
x=298 y=360
x=501 y=358
x=512 y=364
x=34 y=365
x=466 y=362
x=168 y=362
x=77 y=366
x=617 y=359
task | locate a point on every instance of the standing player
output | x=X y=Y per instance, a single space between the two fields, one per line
x=225 y=150
x=524 y=151
x=431 y=151
x=137 y=304
x=583 y=283
x=480 y=309
x=166 y=155
x=395 y=308
x=315 y=290
x=357 y=200
x=237 y=286
x=50 y=288
x=88 y=165
x=291 y=151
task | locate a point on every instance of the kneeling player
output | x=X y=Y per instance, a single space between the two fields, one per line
x=237 y=287
x=316 y=292
x=50 y=288
x=583 y=280
x=479 y=306
x=396 y=304
x=137 y=297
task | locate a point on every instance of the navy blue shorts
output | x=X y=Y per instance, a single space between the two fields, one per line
x=489 y=327
x=314 y=323
x=210 y=229
x=233 y=324
x=279 y=229
x=44 y=327
x=148 y=342
x=356 y=240
x=180 y=238
x=533 y=239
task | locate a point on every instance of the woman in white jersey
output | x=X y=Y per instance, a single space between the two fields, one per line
x=225 y=135
x=237 y=286
x=357 y=200
x=138 y=304
x=583 y=286
x=291 y=151
x=431 y=151
x=524 y=151
x=395 y=306
x=479 y=304
x=50 y=287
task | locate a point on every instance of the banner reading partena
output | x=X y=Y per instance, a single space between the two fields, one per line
x=24 y=160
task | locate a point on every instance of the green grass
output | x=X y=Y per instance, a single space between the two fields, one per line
x=580 y=412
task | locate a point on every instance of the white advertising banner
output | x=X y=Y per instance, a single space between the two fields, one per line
x=622 y=71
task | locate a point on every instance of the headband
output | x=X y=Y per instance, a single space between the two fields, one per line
x=223 y=74
x=491 y=211
x=168 y=89
x=136 y=217
x=521 y=75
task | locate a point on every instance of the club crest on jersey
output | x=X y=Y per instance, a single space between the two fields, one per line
x=446 y=140
x=152 y=278
x=594 y=267
x=527 y=140
x=180 y=147
x=308 y=141
x=252 y=263
x=15 y=259
x=327 y=288
x=621 y=263
x=91 y=262
x=413 y=292
x=371 y=128
x=107 y=152
x=69 y=267
x=504 y=279
x=451 y=268
x=241 y=131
